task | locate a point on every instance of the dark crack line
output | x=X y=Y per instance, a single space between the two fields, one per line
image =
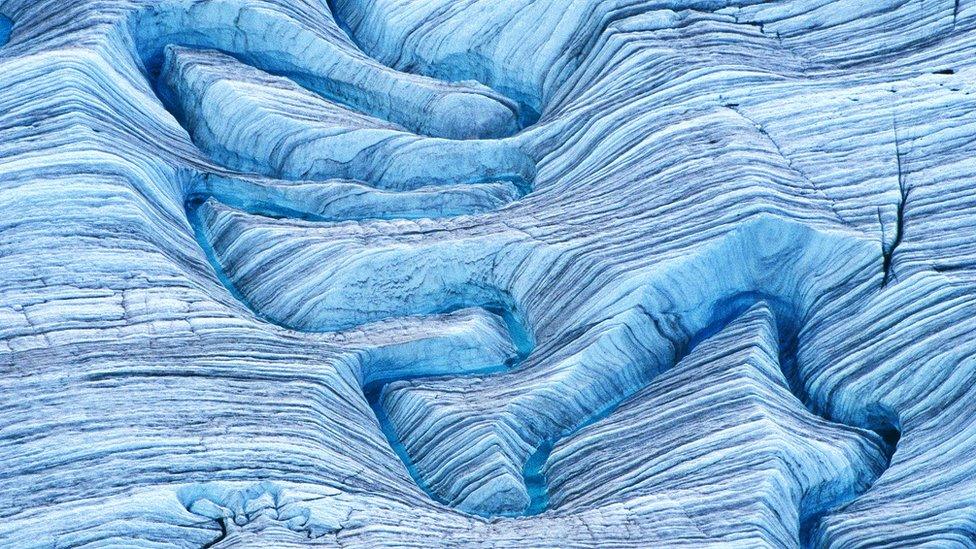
x=223 y=534
x=903 y=189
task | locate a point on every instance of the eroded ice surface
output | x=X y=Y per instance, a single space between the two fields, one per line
x=520 y=273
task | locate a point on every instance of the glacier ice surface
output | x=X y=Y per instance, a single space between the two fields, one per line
x=532 y=273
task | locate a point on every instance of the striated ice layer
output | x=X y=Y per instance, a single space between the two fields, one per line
x=723 y=433
x=531 y=273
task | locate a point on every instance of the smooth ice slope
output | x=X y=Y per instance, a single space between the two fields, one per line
x=521 y=273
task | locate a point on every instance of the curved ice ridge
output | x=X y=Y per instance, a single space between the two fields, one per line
x=466 y=67
x=421 y=104
x=282 y=131
x=503 y=478
x=733 y=374
x=320 y=140
x=491 y=465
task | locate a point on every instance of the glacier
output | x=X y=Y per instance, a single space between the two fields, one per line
x=500 y=273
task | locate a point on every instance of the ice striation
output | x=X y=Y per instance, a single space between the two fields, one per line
x=724 y=422
x=531 y=273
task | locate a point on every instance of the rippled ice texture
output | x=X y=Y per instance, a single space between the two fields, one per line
x=517 y=273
